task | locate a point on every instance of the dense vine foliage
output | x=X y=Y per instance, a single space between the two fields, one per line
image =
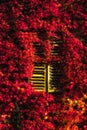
x=23 y=25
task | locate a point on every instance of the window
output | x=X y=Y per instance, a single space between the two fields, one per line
x=46 y=76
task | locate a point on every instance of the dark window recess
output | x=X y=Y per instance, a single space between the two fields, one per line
x=42 y=34
x=39 y=51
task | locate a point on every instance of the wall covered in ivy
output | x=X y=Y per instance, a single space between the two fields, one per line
x=23 y=25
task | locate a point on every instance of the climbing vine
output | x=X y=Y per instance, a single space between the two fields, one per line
x=24 y=25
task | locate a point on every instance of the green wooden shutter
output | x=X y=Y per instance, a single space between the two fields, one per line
x=53 y=75
x=53 y=69
x=39 y=77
